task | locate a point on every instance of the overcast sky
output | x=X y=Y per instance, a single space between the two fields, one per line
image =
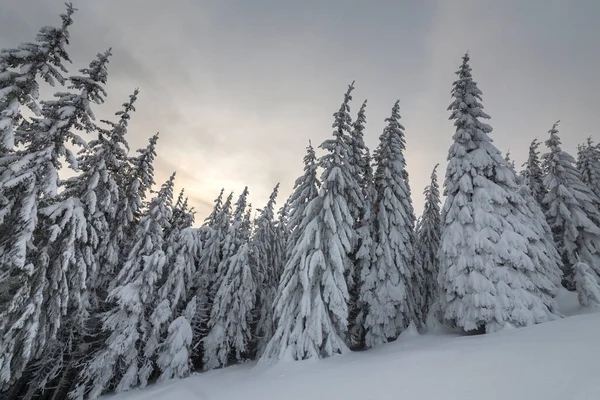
x=237 y=88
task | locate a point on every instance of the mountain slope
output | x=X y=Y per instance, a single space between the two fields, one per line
x=555 y=360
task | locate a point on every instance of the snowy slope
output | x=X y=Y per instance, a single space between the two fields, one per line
x=557 y=360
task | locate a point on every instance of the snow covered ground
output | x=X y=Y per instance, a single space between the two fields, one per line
x=556 y=360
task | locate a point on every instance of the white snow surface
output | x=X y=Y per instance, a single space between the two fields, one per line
x=552 y=361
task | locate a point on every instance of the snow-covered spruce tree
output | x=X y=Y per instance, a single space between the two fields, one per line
x=98 y=189
x=211 y=220
x=385 y=284
x=42 y=285
x=179 y=208
x=19 y=70
x=587 y=285
x=219 y=246
x=205 y=232
x=176 y=286
x=174 y=354
x=588 y=164
x=549 y=272
x=176 y=301
x=181 y=217
x=247 y=228
x=161 y=312
x=364 y=255
x=352 y=151
x=107 y=162
x=492 y=251
x=126 y=359
x=230 y=319
x=142 y=180
x=306 y=188
x=187 y=215
x=311 y=307
x=266 y=271
x=358 y=160
x=136 y=182
x=78 y=222
x=533 y=174
x=64 y=256
x=572 y=211
x=181 y=249
x=281 y=239
x=428 y=243
x=184 y=215
x=88 y=202
x=509 y=161
x=208 y=276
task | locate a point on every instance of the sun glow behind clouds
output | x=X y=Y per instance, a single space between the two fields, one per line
x=237 y=90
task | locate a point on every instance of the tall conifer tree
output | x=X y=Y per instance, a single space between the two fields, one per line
x=572 y=211
x=306 y=188
x=533 y=173
x=20 y=69
x=101 y=164
x=127 y=358
x=359 y=161
x=37 y=273
x=312 y=302
x=208 y=275
x=364 y=256
x=267 y=272
x=386 y=284
x=428 y=243
x=231 y=313
x=588 y=164
x=493 y=256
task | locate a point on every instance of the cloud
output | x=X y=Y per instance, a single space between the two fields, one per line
x=237 y=89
